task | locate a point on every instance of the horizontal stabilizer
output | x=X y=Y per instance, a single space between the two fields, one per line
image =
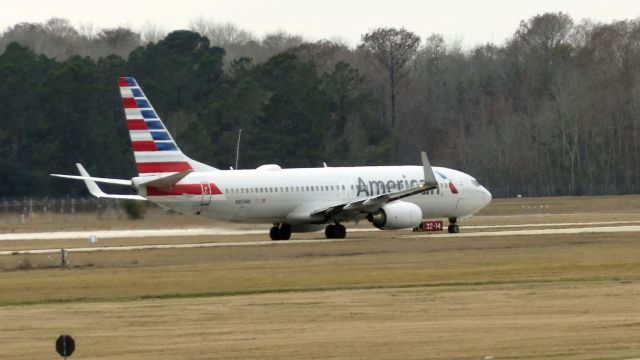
x=96 y=179
x=95 y=190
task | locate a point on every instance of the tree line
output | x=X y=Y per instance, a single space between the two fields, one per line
x=555 y=110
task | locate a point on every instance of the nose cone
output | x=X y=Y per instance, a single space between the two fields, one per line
x=486 y=197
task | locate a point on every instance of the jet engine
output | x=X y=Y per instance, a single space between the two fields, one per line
x=396 y=215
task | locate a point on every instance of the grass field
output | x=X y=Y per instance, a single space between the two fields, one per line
x=386 y=296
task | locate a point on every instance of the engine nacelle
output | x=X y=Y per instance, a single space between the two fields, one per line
x=396 y=215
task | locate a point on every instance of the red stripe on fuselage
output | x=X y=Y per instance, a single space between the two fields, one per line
x=129 y=103
x=181 y=189
x=144 y=145
x=214 y=189
x=136 y=125
x=160 y=167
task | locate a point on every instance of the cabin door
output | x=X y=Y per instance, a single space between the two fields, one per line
x=206 y=194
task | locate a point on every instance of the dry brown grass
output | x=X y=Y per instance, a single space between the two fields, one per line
x=367 y=263
x=559 y=320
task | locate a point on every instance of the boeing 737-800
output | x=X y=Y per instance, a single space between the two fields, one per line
x=293 y=200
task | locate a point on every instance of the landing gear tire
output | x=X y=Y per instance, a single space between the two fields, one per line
x=274 y=233
x=285 y=232
x=282 y=232
x=329 y=230
x=453 y=226
x=337 y=231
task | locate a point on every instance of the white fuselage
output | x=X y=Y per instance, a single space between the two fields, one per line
x=273 y=195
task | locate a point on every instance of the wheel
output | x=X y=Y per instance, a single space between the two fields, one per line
x=274 y=233
x=330 y=231
x=453 y=229
x=285 y=232
x=340 y=231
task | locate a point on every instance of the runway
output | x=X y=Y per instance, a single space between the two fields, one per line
x=111 y=234
x=212 y=231
x=118 y=234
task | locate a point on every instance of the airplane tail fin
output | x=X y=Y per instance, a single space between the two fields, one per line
x=155 y=151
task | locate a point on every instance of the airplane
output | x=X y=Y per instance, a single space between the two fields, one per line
x=293 y=200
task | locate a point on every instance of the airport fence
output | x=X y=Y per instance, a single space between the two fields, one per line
x=66 y=205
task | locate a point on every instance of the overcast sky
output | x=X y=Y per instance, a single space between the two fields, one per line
x=471 y=21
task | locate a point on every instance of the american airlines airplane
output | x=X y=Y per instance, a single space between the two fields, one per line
x=293 y=200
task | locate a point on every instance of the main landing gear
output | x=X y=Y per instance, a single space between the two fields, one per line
x=453 y=227
x=282 y=232
x=337 y=231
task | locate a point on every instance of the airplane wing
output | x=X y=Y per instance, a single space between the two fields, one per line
x=95 y=190
x=373 y=203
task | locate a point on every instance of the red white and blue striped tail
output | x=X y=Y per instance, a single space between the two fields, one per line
x=155 y=151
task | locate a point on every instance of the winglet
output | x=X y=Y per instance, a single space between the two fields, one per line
x=94 y=189
x=429 y=177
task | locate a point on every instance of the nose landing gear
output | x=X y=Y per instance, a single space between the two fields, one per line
x=453 y=227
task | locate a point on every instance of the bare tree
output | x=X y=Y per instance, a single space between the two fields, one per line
x=281 y=41
x=152 y=33
x=435 y=49
x=393 y=49
x=221 y=34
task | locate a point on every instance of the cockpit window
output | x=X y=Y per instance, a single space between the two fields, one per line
x=475 y=182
